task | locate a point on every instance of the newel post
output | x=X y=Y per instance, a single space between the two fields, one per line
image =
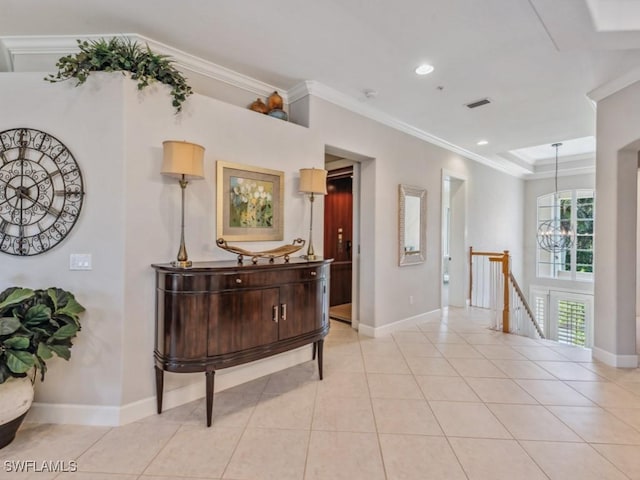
x=505 y=310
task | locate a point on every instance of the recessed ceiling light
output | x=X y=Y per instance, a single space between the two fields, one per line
x=424 y=69
x=483 y=142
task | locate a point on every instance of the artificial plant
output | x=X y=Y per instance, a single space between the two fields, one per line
x=123 y=55
x=35 y=325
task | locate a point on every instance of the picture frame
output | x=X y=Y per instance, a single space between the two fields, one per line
x=250 y=203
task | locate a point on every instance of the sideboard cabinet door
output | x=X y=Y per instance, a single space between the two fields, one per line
x=181 y=319
x=301 y=308
x=241 y=320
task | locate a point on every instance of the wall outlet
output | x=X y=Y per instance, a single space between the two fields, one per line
x=410 y=299
x=80 y=261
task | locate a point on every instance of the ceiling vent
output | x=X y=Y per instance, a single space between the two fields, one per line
x=478 y=103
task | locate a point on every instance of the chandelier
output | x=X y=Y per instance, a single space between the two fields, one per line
x=555 y=235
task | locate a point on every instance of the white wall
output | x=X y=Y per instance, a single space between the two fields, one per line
x=131 y=219
x=494 y=210
x=615 y=229
x=227 y=133
x=90 y=122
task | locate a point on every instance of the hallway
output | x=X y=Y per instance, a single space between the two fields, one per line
x=446 y=399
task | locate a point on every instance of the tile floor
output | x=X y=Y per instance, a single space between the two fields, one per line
x=446 y=399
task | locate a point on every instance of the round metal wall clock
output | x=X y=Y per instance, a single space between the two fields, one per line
x=41 y=191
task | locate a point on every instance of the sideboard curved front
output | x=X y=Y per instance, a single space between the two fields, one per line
x=215 y=315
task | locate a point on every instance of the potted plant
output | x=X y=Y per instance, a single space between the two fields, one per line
x=123 y=55
x=35 y=325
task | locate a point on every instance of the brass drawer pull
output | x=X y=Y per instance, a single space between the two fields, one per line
x=313 y=274
x=275 y=314
x=283 y=309
x=238 y=281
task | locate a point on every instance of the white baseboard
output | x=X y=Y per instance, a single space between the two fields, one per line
x=399 y=325
x=120 y=415
x=73 y=414
x=621 y=361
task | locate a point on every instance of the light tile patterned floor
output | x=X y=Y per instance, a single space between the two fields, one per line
x=446 y=399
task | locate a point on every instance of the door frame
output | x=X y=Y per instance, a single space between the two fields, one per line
x=458 y=250
x=354 y=160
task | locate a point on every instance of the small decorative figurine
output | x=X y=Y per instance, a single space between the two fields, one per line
x=274 y=102
x=259 y=106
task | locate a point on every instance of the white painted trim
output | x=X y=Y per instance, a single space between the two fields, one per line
x=548 y=288
x=119 y=415
x=369 y=331
x=567 y=172
x=618 y=361
x=453 y=174
x=73 y=414
x=215 y=71
x=614 y=86
x=362 y=108
x=299 y=91
x=66 y=44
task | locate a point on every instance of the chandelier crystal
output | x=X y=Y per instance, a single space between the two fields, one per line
x=555 y=235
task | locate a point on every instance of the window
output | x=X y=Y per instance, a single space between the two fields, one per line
x=576 y=207
x=565 y=316
x=571 y=322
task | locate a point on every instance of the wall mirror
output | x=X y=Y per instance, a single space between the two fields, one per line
x=412 y=214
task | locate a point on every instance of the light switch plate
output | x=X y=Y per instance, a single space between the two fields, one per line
x=80 y=261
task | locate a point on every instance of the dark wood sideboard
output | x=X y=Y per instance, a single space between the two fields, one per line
x=215 y=315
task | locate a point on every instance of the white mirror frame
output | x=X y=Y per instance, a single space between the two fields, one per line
x=407 y=255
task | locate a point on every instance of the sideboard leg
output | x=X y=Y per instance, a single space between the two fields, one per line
x=159 y=386
x=320 y=345
x=313 y=355
x=210 y=374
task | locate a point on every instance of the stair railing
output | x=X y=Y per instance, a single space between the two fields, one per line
x=492 y=285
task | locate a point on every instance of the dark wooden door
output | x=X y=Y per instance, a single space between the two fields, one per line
x=338 y=233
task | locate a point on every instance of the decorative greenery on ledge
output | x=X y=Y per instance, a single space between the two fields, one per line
x=123 y=55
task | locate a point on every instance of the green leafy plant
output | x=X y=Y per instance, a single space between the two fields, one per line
x=123 y=55
x=35 y=325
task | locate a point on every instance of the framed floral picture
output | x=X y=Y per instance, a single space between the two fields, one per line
x=250 y=203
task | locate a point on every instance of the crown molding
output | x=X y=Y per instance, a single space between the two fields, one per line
x=319 y=90
x=567 y=172
x=215 y=71
x=614 y=86
x=67 y=44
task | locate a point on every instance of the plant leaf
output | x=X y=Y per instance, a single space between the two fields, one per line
x=5 y=374
x=19 y=361
x=37 y=314
x=123 y=54
x=71 y=309
x=18 y=295
x=44 y=351
x=42 y=367
x=67 y=331
x=61 y=350
x=8 y=325
x=17 y=343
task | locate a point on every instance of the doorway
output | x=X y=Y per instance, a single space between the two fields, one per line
x=338 y=240
x=454 y=254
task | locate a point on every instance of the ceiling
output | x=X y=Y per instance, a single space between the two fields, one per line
x=535 y=60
